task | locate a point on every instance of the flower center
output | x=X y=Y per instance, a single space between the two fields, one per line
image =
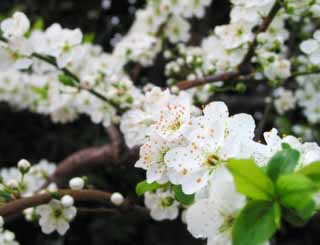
x=57 y=213
x=227 y=224
x=212 y=160
x=175 y=125
x=162 y=154
x=167 y=201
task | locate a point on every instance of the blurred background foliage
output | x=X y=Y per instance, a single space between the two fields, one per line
x=26 y=135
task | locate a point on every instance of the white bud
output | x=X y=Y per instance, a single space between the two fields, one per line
x=76 y=183
x=1 y=221
x=52 y=187
x=117 y=198
x=28 y=214
x=174 y=89
x=8 y=236
x=24 y=165
x=67 y=201
x=12 y=183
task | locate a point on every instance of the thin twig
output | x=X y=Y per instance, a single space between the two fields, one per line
x=244 y=68
x=94 y=196
x=264 y=119
x=262 y=28
x=51 y=61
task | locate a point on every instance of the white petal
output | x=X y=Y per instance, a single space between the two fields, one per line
x=242 y=126
x=202 y=219
x=62 y=227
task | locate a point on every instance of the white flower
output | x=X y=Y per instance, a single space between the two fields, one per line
x=284 y=100
x=8 y=238
x=16 y=26
x=234 y=35
x=152 y=158
x=214 y=138
x=162 y=205
x=279 y=69
x=311 y=47
x=213 y=217
x=177 y=29
x=174 y=118
x=309 y=152
x=11 y=58
x=54 y=216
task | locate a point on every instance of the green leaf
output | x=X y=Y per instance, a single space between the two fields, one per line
x=66 y=80
x=38 y=24
x=283 y=162
x=283 y=124
x=296 y=192
x=5 y=195
x=250 y=179
x=182 y=197
x=143 y=187
x=312 y=171
x=89 y=37
x=256 y=223
x=43 y=92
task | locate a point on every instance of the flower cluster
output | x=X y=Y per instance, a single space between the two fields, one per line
x=6 y=237
x=308 y=97
x=25 y=180
x=191 y=150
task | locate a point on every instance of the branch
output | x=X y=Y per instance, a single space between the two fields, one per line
x=93 y=196
x=67 y=72
x=263 y=121
x=110 y=154
x=244 y=68
x=227 y=76
x=89 y=158
x=262 y=28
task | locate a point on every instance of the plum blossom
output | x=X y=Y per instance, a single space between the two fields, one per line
x=213 y=140
x=212 y=217
x=55 y=217
x=162 y=205
x=16 y=26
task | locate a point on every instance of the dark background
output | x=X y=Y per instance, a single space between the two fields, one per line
x=26 y=135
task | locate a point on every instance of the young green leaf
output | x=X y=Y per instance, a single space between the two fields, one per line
x=312 y=171
x=256 y=223
x=295 y=192
x=66 y=80
x=250 y=179
x=283 y=162
x=182 y=197
x=143 y=187
x=89 y=37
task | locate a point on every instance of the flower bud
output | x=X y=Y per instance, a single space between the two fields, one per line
x=76 y=183
x=117 y=198
x=24 y=166
x=1 y=221
x=67 y=201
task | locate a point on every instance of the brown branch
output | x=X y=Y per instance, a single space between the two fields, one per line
x=227 y=76
x=245 y=67
x=135 y=73
x=94 y=196
x=262 y=28
x=84 y=159
x=89 y=158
